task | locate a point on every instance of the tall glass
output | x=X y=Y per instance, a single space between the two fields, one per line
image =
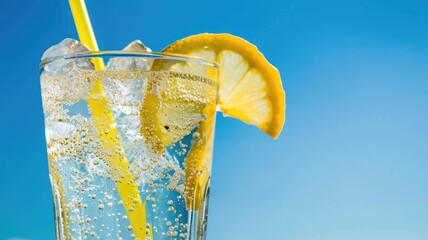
x=129 y=144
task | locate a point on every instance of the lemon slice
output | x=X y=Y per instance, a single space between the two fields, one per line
x=173 y=106
x=250 y=87
x=250 y=90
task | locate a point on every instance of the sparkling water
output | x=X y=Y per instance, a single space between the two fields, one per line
x=85 y=180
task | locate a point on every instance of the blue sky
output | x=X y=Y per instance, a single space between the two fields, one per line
x=351 y=162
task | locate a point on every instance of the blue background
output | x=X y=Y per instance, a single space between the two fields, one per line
x=351 y=162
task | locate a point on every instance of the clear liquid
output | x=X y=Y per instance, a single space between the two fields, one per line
x=84 y=179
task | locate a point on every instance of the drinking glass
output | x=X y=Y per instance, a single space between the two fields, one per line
x=129 y=143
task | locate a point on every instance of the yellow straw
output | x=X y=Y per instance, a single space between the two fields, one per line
x=109 y=134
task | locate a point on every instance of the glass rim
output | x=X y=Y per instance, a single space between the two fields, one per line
x=118 y=53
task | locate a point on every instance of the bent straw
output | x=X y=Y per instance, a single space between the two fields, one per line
x=109 y=134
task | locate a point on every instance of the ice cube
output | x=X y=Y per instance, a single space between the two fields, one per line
x=62 y=67
x=58 y=130
x=137 y=46
x=128 y=91
x=129 y=63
